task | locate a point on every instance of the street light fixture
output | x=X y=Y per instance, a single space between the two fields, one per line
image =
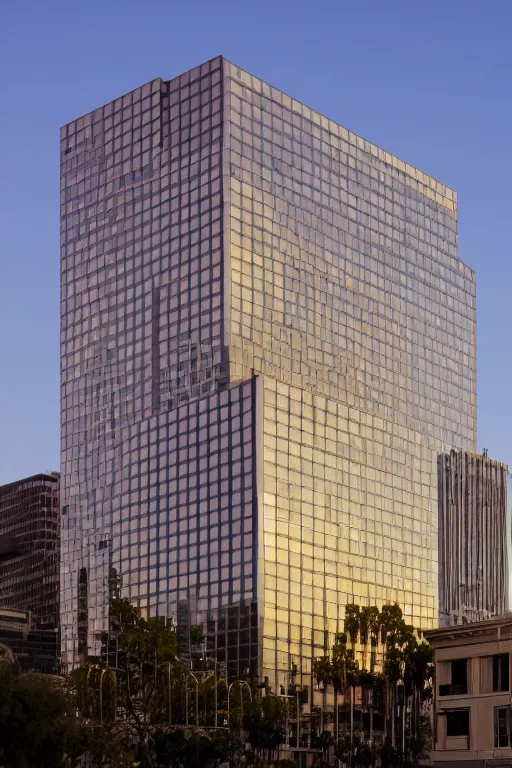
x=241 y=683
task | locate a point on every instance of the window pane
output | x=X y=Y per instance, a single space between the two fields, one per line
x=457 y=722
x=501 y=727
x=459 y=672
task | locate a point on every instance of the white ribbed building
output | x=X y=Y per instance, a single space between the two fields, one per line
x=474 y=537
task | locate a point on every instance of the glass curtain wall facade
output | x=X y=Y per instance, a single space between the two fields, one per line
x=348 y=297
x=267 y=338
x=157 y=445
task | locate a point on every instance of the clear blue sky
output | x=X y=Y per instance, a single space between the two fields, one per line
x=429 y=81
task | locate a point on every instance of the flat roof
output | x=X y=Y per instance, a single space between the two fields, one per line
x=46 y=475
x=471 y=628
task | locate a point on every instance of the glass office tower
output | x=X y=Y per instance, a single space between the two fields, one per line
x=267 y=338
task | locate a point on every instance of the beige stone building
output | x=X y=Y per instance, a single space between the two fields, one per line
x=472 y=703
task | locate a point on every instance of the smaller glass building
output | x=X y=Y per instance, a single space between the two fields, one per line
x=29 y=548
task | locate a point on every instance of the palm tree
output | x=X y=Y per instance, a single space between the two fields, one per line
x=339 y=672
x=407 y=666
x=393 y=673
x=369 y=619
x=352 y=678
x=323 y=672
x=352 y=622
x=391 y=620
x=369 y=683
x=419 y=669
x=395 y=634
x=410 y=680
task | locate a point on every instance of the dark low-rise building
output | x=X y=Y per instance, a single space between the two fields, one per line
x=29 y=569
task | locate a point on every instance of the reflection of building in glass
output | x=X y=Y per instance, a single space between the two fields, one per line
x=267 y=338
x=474 y=537
x=26 y=646
x=29 y=548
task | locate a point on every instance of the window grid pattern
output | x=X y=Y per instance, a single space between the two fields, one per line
x=347 y=294
x=144 y=439
x=213 y=230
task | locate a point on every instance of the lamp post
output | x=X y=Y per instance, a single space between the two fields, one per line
x=298 y=716
x=293 y=673
x=206 y=677
x=296 y=696
x=241 y=683
x=101 y=694
x=189 y=672
x=169 y=689
x=197 y=696
x=321 y=689
x=216 y=694
x=284 y=695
